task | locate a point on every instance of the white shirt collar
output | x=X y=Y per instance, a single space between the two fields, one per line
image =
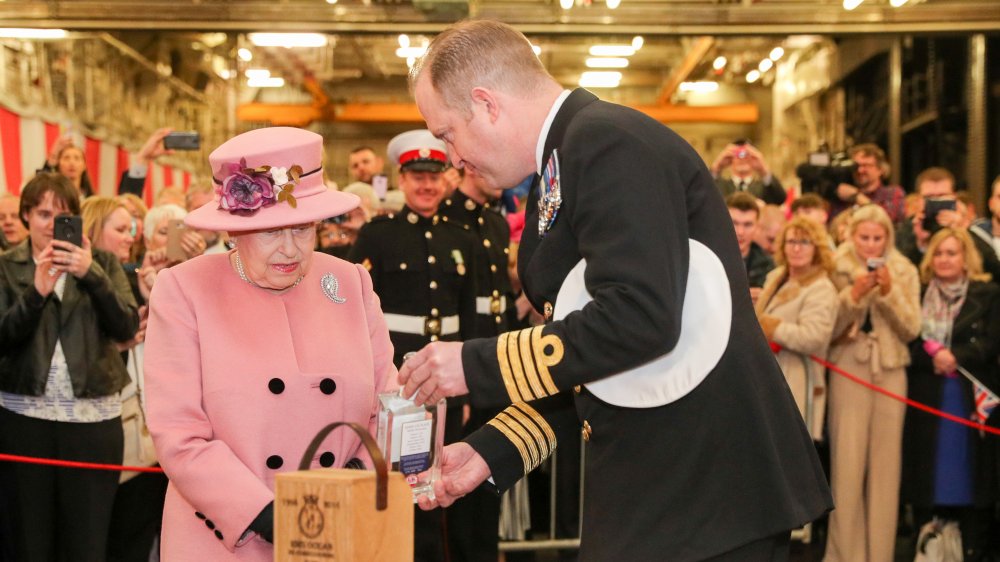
x=540 y=147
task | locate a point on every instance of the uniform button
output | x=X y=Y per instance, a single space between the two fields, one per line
x=327 y=386
x=577 y=389
x=209 y=524
x=496 y=293
x=972 y=339
x=436 y=219
x=434 y=312
x=470 y=205
x=493 y=267
x=276 y=385
x=481 y=221
x=355 y=464
x=326 y=459
x=486 y=243
x=547 y=310
x=402 y=266
x=586 y=431
x=431 y=259
x=199 y=515
x=274 y=462
x=434 y=284
x=498 y=319
x=428 y=235
x=412 y=217
x=434 y=338
x=218 y=534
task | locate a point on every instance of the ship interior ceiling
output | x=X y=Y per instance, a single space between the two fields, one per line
x=699 y=65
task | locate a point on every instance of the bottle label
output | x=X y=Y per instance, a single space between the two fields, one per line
x=415 y=446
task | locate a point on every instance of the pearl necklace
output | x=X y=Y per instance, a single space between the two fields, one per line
x=243 y=276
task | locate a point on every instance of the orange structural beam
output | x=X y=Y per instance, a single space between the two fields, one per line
x=297 y=115
x=681 y=72
x=733 y=113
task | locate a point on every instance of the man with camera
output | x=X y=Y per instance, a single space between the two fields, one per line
x=939 y=208
x=749 y=173
x=868 y=187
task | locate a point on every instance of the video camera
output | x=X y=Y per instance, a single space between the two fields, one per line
x=824 y=171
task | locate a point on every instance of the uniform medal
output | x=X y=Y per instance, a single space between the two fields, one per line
x=550 y=195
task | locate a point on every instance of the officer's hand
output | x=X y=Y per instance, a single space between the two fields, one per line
x=434 y=372
x=462 y=471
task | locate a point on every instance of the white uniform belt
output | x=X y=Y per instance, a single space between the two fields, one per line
x=421 y=325
x=491 y=305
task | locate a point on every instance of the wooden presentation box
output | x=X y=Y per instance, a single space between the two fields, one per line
x=329 y=514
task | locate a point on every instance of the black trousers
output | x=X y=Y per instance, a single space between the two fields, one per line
x=771 y=549
x=59 y=514
x=137 y=518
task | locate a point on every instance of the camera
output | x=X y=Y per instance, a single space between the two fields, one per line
x=875 y=263
x=182 y=140
x=933 y=206
x=824 y=170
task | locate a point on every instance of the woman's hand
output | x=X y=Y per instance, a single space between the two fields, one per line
x=152 y=263
x=73 y=258
x=884 y=280
x=944 y=362
x=863 y=284
x=193 y=244
x=57 y=147
x=46 y=272
x=140 y=336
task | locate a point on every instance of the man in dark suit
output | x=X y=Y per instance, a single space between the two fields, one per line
x=695 y=448
x=748 y=172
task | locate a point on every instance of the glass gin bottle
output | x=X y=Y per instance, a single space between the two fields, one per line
x=411 y=438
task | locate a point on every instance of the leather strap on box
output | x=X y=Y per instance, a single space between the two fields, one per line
x=381 y=473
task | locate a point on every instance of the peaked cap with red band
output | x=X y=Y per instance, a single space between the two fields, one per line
x=418 y=151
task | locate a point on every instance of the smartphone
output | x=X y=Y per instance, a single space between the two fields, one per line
x=182 y=140
x=68 y=228
x=933 y=206
x=175 y=232
x=875 y=263
x=380 y=183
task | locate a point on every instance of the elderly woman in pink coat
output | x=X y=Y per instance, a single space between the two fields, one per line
x=250 y=353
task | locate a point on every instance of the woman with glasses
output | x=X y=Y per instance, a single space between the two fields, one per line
x=797 y=308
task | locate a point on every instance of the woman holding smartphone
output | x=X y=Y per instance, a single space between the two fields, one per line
x=63 y=307
x=879 y=313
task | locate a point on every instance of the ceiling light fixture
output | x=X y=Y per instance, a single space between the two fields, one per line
x=776 y=53
x=606 y=62
x=536 y=49
x=851 y=4
x=331 y=1
x=244 y=54
x=765 y=65
x=753 y=76
x=897 y=3
x=411 y=52
x=404 y=40
x=638 y=42
x=612 y=4
x=288 y=40
x=704 y=87
x=719 y=63
x=612 y=50
x=269 y=82
x=600 y=79
x=253 y=73
x=566 y=4
x=31 y=33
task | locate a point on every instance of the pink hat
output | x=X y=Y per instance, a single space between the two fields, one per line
x=269 y=178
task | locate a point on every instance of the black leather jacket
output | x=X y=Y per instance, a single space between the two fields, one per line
x=95 y=311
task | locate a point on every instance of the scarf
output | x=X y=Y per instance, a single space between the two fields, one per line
x=942 y=301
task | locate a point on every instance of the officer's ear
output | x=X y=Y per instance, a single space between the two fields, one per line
x=485 y=100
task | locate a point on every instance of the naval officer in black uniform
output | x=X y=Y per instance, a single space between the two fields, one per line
x=422 y=271
x=696 y=450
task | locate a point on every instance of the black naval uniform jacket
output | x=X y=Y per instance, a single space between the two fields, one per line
x=727 y=464
x=420 y=267
x=494 y=293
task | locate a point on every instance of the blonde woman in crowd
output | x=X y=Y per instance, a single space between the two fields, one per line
x=137 y=208
x=951 y=469
x=797 y=308
x=879 y=314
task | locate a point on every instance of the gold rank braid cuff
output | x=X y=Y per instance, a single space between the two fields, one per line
x=525 y=357
x=528 y=431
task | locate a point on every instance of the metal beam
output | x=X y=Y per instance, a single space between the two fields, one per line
x=976 y=136
x=680 y=72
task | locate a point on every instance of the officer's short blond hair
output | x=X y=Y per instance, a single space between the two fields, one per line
x=480 y=53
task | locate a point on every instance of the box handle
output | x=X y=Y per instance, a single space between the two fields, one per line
x=381 y=473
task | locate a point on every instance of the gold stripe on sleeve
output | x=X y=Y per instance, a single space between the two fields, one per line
x=530 y=373
x=540 y=421
x=516 y=440
x=504 y=362
x=517 y=365
x=536 y=434
x=534 y=452
x=544 y=360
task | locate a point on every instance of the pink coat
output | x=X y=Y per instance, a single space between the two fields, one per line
x=238 y=381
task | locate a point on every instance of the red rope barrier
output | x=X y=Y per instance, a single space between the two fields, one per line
x=78 y=464
x=776 y=347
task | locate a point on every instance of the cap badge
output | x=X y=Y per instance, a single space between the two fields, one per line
x=424 y=152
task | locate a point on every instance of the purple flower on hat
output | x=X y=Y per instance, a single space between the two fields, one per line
x=245 y=190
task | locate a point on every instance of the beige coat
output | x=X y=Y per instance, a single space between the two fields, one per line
x=895 y=317
x=799 y=315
